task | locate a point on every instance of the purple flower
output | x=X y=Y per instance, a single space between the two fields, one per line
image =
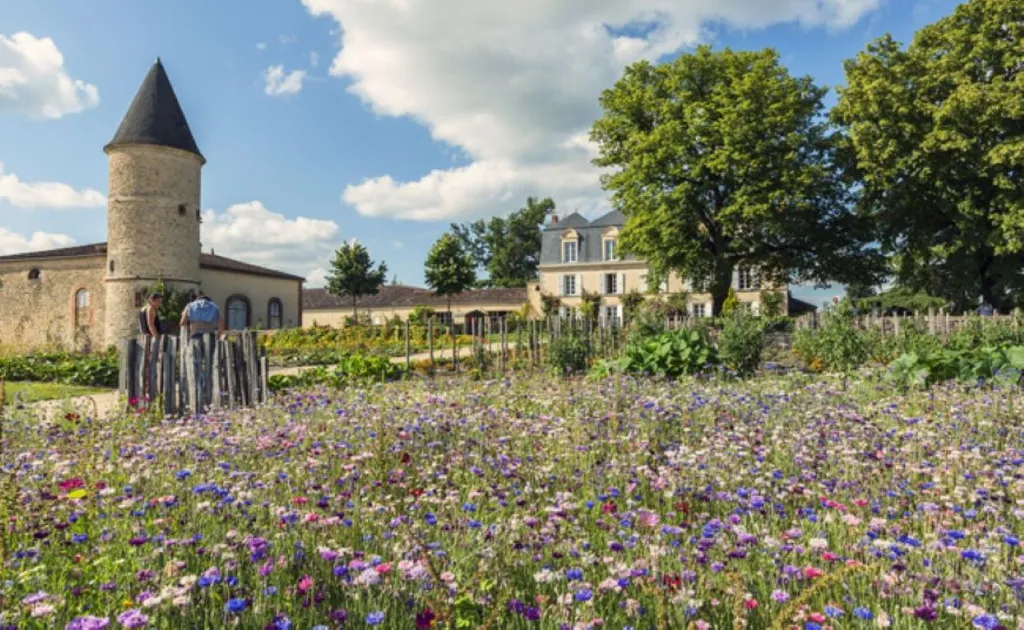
x=87 y=623
x=132 y=618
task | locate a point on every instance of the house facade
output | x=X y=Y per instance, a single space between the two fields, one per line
x=580 y=256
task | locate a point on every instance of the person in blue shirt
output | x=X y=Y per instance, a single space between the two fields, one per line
x=202 y=317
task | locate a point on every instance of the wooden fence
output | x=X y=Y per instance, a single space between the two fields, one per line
x=933 y=322
x=192 y=375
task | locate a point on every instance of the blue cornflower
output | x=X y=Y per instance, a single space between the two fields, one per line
x=375 y=618
x=584 y=595
x=430 y=518
x=235 y=605
x=1013 y=541
x=973 y=555
x=863 y=613
x=832 y=611
x=468 y=507
x=988 y=622
x=475 y=524
x=574 y=574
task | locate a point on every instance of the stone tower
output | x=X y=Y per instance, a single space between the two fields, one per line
x=153 y=207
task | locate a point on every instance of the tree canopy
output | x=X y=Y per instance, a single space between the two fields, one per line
x=934 y=136
x=722 y=159
x=449 y=270
x=507 y=249
x=353 y=275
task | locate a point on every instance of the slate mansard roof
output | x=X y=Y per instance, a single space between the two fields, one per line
x=155 y=117
x=590 y=237
x=404 y=296
x=206 y=261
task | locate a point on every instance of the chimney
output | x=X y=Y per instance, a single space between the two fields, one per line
x=554 y=219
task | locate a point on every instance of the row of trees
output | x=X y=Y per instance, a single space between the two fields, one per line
x=721 y=159
x=506 y=249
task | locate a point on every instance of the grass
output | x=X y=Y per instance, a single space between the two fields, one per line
x=30 y=392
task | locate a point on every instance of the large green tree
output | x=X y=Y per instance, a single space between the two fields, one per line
x=722 y=159
x=353 y=274
x=449 y=270
x=507 y=248
x=934 y=135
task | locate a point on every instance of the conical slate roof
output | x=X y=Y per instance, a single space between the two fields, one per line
x=155 y=117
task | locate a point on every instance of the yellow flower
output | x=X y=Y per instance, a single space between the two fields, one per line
x=127 y=603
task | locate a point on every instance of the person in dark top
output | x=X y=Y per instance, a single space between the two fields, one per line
x=149 y=316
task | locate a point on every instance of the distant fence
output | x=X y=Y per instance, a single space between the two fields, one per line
x=193 y=375
x=934 y=323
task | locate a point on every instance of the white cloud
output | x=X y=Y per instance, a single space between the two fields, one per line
x=314 y=58
x=399 y=245
x=14 y=243
x=515 y=86
x=252 y=233
x=261 y=46
x=46 y=194
x=34 y=81
x=277 y=82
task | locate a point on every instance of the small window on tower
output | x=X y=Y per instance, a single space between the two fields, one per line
x=182 y=209
x=111 y=266
x=199 y=215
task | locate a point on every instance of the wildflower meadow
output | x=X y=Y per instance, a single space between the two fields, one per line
x=787 y=501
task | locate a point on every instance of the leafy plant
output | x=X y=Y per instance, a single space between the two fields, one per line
x=569 y=352
x=741 y=344
x=672 y=354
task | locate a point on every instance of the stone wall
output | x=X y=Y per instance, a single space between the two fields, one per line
x=40 y=313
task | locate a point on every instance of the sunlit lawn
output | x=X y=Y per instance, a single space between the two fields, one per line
x=29 y=392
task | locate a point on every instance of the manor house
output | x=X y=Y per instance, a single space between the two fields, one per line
x=87 y=297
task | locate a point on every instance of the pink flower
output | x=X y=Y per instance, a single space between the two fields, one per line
x=750 y=604
x=811 y=573
x=305 y=584
x=647 y=518
x=383 y=568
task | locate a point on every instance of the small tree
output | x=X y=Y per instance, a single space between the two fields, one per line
x=421 y=315
x=449 y=270
x=353 y=275
x=631 y=303
x=771 y=303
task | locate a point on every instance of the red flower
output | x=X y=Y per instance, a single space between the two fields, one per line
x=299 y=500
x=416 y=492
x=406 y=458
x=71 y=484
x=609 y=507
x=671 y=582
x=682 y=507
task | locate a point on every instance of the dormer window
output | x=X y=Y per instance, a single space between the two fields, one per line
x=611 y=246
x=570 y=246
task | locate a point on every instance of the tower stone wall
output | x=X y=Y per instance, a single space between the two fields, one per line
x=153 y=221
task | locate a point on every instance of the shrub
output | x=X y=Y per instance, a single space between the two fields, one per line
x=771 y=303
x=836 y=346
x=569 y=352
x=672 y=354
x=90 y=370
x=741 y=344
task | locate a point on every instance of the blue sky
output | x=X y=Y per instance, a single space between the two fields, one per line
x=384 y=123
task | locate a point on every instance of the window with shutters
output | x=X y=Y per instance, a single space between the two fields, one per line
x=568 y=285
x=749 y=279
x=611 y=283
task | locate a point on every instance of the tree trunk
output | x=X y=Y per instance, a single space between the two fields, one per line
x=720 y=285
x=355 y=311
x=988 y=285
x=451 y=317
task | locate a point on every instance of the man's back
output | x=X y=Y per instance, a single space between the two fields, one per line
x=203 y=311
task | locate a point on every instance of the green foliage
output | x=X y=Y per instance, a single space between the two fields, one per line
x=987 y=364
x=772 y=303
x=356 y=369
x=89 y=370
x=900 y=299
x=836 y=346
x=678 y=304
x=590 y=305
x=549 y=304
x=448 y=269
x=631 y=303
x=352 y=274
x=508 y=249
x=731 y=304
x=671 y=354
x=421 y=315
x=741 y=344
x=569 y=352
x=721 y=159
x=932 y=133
